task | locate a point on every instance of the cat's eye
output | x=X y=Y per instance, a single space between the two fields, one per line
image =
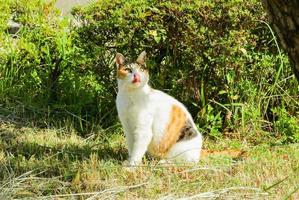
x=128 y=69
x=142 y=68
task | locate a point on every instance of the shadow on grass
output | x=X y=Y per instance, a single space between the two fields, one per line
x=21 y=155
x=72 y=152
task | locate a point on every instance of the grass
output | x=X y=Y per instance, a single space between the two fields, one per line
x=248 y=102
x=58 y=164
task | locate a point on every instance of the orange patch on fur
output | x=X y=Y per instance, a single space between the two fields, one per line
x=121 y=73
x=177 y=121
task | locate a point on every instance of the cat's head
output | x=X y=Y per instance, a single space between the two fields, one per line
x=132 y=75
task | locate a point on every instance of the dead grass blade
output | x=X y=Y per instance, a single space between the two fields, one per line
x=221 y=193
x=96 y=195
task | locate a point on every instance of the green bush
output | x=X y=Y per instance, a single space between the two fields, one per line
x=43 y=68
x=206 y=54
x=4 y=16
x=218 y=58
x=286 y=126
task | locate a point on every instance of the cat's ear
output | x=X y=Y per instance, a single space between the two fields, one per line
x=119 y=59
x=141 y=58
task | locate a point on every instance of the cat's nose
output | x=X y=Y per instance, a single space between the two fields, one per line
x=136 y=78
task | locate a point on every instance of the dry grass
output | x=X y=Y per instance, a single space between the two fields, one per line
x=58 y=164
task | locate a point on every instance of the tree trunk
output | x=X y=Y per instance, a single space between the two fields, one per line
x=284 y=18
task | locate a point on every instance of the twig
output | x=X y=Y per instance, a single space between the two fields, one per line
x=76 y=116
x=18 y=179
x=201 y=168
x=293 y=192
x=117 y=190
x=96 y=195
x=218 y=193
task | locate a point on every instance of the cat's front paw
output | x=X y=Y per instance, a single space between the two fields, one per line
x=164 y=162
x=130 y=166
x=131 y=163
x=125 y=163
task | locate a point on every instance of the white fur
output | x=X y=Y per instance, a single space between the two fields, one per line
x=144 y=114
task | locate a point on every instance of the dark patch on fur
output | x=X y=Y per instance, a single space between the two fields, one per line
x=187 y=132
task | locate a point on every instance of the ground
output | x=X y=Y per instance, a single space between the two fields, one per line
x=57 y=163
x=66 y=5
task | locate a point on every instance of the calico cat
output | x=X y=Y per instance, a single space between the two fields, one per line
x=153 y=121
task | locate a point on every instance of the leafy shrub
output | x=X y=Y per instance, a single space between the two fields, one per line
x=216 y=57
x=204 y=53
x=43 y=68
x=4 y=15
x=286 y=126
x=212 y=123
